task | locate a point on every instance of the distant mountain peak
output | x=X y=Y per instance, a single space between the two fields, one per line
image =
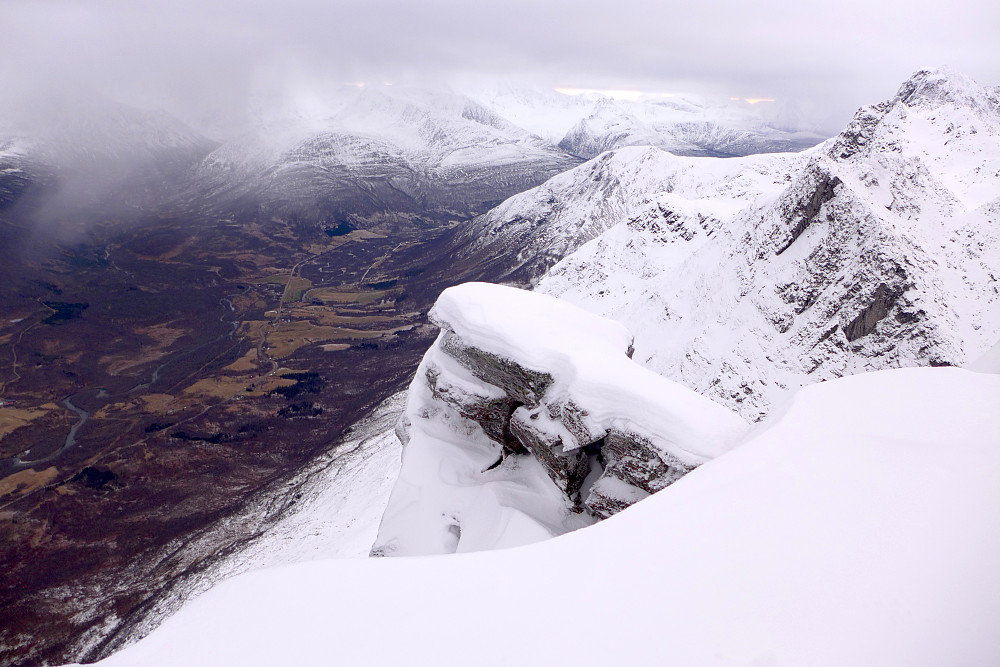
x=932 y=87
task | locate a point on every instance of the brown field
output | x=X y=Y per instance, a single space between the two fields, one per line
x=163 y=337
x=362 y=234
x=322 y=315
x=245 y=302
x=256 y=259
x=26 y=481
x=254 y=330
x=156 y=402
x=331 y=295
x=12 y=418
x=335 y=347
x=225 y=387
x=277 y=279
x=337 y=241
x=247 y=362
x=288 y=337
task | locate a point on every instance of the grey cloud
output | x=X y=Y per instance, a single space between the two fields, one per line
x=207 y=59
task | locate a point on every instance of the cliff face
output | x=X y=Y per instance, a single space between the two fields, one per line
x=527 y=418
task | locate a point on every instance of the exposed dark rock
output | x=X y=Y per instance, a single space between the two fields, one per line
x=882 y=301
x=508 y=402
x=610 y=496
x=568 y=469
x=860 y=133
x=484 y=408
x=633 y=459
x=909 y=317
x=573 y=419
x=522 y=384
x=806 y=208
x=826 y=335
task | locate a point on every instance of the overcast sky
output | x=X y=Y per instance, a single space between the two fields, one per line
x=204 y=57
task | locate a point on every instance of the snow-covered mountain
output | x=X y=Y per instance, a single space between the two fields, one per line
x=358 y=153
x=744 y=278
x=16 y=171
x=681 y=127
x=589 y=124
x=377 y=150
x=371 y=149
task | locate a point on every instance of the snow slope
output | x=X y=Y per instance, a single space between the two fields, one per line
x=745 y=278
x=860 y=526
x=526 y=235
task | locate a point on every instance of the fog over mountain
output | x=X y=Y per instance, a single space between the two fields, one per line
x=212 y=64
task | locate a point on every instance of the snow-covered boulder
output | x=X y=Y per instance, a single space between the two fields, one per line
x=527 y=418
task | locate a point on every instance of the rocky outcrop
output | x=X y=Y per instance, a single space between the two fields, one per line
x=807 y=207
x=530 y=408
x=862 y=325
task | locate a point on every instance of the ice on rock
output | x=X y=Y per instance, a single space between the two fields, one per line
x=527 y=418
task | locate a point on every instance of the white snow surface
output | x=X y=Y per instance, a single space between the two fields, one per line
x=859 y=525
x=446 y=499
x=454 y=136
x=417 y=129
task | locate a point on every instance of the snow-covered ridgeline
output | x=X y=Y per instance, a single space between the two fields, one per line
x=745 y=278
x=527 y=418
x=591 y=123
x=410 y=147
x=527 y=234
x=861 y=526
